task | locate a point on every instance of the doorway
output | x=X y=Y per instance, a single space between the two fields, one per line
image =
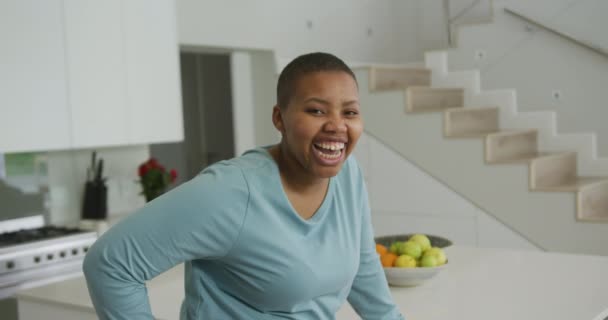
x=207 y=115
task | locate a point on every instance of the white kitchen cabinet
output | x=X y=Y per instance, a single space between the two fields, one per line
x=153 y=83
x=34 y=112
x=123 y=72
x=96 y=72
x=87 y=73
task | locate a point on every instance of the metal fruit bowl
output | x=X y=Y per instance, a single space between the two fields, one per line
x=407 y=277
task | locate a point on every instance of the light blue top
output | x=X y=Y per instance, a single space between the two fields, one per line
x=247 y=253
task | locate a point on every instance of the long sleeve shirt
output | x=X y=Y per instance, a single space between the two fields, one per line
x=247 y=252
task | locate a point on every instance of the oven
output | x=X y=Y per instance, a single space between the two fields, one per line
x=33 y=254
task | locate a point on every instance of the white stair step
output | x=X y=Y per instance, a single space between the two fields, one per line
x=594 y=166
x=504 y=99
x=385 y=78
x=469 y=80
x=510 y=145
x=437 y=61
x=470 y=122
x=426 y=99
x=582 y=143
x=592 y=202
x=543 y=121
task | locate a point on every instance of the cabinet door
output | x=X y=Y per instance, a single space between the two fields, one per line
x=153 y=84
x=34 y=111
x=96 y=72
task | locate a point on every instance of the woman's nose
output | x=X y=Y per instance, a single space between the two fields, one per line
x=335 y=124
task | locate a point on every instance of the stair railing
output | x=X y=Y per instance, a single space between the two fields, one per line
x=585 y=44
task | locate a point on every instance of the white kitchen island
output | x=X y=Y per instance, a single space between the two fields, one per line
x=478 y=284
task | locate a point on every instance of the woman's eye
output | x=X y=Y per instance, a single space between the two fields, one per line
x=314 y=111
x=351 y=113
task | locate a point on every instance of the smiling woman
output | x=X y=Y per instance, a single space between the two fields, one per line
x=321 y=123
x=281 y=231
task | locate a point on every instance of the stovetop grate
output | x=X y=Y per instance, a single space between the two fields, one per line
x=36 y=234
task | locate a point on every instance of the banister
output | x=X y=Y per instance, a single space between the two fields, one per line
x=597 y=49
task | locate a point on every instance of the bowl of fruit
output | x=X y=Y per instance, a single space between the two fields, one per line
x=411 y=259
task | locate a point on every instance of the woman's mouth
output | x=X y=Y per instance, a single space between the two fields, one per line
x=329 y=153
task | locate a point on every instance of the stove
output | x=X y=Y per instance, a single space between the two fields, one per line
x=31 y=257
x=37 y=234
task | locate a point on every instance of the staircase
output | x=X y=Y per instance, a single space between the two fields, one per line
x=551 y=188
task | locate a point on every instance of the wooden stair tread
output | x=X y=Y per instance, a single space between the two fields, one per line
x=510 y=144
x=509 y=132
x=501 y=132
x=528 y=157
x=385 y=78
x=436 y=89
x=470 y=109
x=552 y=169
x=420 y=99
x=575 y=185
x=593 y=219
x=471 y=135
x=469 y=122
x=592 y=202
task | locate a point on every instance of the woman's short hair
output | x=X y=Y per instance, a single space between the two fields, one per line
x=305 y=64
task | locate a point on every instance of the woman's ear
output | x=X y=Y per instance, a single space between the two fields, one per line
x=277 y=119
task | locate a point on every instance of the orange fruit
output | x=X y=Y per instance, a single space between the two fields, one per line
x=380 y=249
x=388 y=259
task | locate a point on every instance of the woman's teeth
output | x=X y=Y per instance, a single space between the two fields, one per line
x=331 y=145
x=329 y=151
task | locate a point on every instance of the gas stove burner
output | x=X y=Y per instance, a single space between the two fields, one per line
x=29 y=235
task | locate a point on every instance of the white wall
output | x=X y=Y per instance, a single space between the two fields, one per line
x=264 y=80
x=431 y=29
x=584 y=19
x=355 y=30
x=408 y=22
x=404 y=199
x=243 y=121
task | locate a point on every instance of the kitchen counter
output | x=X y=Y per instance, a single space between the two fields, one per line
x=477 y=284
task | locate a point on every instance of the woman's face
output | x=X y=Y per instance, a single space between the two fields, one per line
x=322 y=123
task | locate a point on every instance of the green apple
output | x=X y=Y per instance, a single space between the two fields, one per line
x=412 y=249
x=394 y=248
x=428 y=261
x=405 y=261
x=438 y=253
x=423 y=240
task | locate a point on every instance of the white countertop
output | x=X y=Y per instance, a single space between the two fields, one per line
x=477 y=284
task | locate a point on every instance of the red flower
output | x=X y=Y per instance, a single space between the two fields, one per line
x=142 y=170
x=154 y=178
x=153 y=162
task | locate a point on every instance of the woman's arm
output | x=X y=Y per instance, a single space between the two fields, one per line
x=200 y=219
x=369 y=295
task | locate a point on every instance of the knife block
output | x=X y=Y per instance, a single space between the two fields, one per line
x=95 y=201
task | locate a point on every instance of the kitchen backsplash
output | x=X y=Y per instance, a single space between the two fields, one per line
x=23 y=185
x=67 y=174
x=52 y=183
